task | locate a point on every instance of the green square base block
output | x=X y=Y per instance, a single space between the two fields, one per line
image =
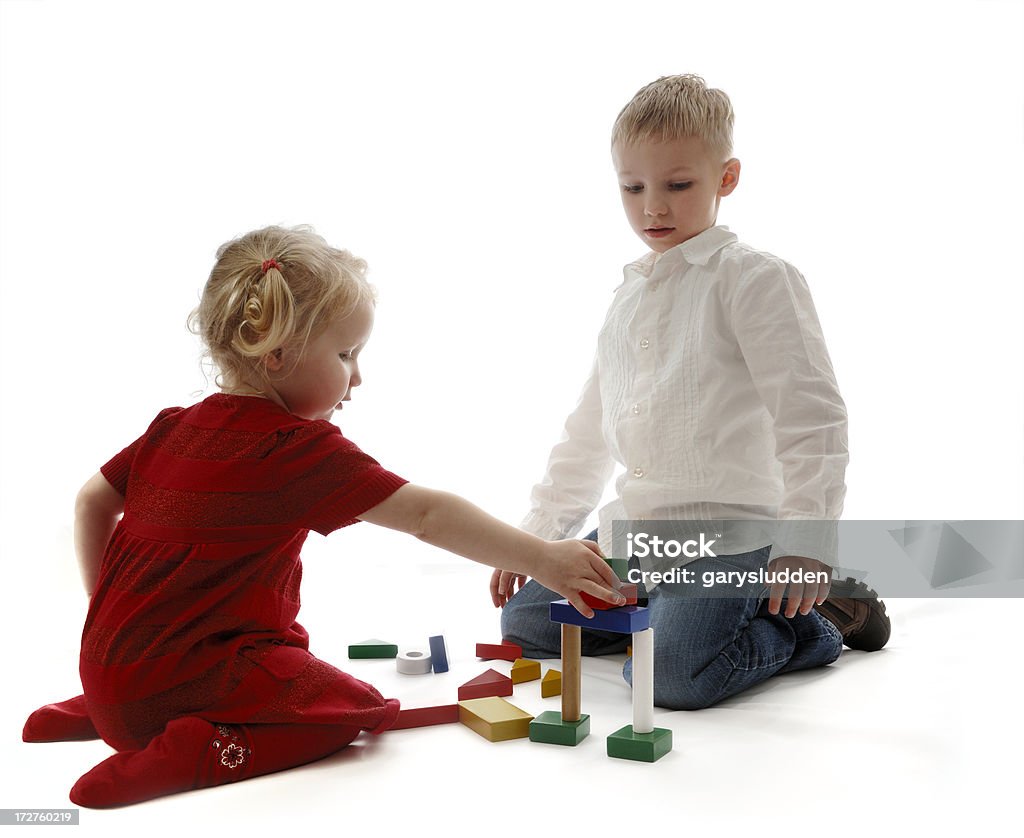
x=548 y=727
x=643 y=747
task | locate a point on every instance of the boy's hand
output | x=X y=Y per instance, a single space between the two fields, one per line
x=503 y=586
x=801 y=596
x=568 y=567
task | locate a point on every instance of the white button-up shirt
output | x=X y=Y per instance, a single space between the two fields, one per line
x=713 y=390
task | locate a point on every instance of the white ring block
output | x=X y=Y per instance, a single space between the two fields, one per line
x=413 y=662
x=643 y=681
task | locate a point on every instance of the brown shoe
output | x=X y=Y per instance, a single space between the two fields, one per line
x=858 y=613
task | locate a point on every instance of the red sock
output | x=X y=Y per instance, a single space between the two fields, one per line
x=64 y=722
x=192 y=753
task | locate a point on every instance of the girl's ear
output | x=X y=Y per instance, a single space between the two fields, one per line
x=272 y=361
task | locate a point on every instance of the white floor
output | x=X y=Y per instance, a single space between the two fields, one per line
x=922 y=734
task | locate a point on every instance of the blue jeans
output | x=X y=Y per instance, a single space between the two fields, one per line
x=705 y=648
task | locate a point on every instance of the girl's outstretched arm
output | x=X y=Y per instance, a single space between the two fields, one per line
x=97 y=509
x=454 y=524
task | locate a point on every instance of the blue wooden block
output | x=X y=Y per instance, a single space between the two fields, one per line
x=439 y=653
x=624 y=620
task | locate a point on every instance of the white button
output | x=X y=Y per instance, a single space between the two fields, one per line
x=644 y=343
x=638 y=472
x=636 y=409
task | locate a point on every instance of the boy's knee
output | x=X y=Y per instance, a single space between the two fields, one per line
x=680 y=696
x=525 y=621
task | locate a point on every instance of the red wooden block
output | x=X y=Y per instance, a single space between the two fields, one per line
x=488 y=684
x=423 y=716
x=627 y=590
x=504 y=651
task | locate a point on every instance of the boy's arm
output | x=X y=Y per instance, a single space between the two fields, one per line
x=97 y=509
x=784 y=350
x=454 y=524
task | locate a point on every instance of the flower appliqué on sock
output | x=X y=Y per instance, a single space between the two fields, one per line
x=232 y=754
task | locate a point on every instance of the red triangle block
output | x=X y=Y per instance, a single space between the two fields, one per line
x=490 y=683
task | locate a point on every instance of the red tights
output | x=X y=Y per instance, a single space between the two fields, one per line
x=191 y=753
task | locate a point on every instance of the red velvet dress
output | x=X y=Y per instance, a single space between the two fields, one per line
x=194 y=613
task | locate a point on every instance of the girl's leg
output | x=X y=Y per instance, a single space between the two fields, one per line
x=63 y=722
x=193 y=753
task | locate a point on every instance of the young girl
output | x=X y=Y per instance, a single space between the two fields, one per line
x=192 y=664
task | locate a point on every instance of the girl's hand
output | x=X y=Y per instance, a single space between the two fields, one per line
x=503 y=586
x=568 y=567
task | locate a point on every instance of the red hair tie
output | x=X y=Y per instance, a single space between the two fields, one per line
x=270 y=263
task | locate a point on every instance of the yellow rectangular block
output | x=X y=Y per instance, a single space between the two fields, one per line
x=494 y=719
x=524 y=670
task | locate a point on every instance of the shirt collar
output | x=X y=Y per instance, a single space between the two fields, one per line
x=696 y=251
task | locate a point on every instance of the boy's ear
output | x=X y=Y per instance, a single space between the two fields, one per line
x=272 y=361
x=730 y=177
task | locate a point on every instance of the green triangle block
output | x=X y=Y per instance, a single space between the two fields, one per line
x=373 y=649
x=642 y=747
x=550 y=728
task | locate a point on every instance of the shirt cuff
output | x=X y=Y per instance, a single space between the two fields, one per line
x=809 y=539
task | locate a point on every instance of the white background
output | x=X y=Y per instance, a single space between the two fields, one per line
x=462 y=149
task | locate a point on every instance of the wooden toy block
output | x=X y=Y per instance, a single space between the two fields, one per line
x=642 y=747
x=551 y=684
x=413 y=662
x=628 y=619
x=373 y=649
x=490 y=683
x=549 y=727
x=643 y=681
x=424 y=716
x=438 y=653
x=620 y=567
x=571 y=669
x=504 y=651
x=524 y=670
x=628 y=591
x=495 y=719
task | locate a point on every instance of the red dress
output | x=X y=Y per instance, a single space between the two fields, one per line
x=194 y=612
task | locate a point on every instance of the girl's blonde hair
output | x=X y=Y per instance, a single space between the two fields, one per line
x=674 y=107
x=270 y=289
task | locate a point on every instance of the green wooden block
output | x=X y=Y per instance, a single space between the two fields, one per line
x=643 y=747
x=620 y=567
x=373 y=649
x=549 y=727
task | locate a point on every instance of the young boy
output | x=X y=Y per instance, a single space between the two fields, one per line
x=713 y=388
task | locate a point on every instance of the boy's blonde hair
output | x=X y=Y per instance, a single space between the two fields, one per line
x=269 y=289
x=674 y=107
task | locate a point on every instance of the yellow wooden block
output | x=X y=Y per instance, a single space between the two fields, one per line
x=494 y=719
x=525 y=670
x=551 y=683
